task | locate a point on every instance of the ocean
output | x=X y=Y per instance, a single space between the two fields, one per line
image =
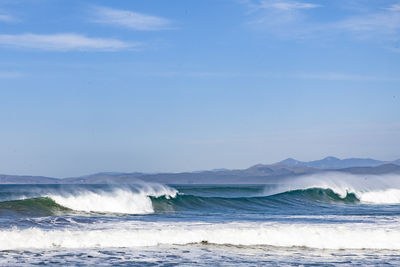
x=316 y=220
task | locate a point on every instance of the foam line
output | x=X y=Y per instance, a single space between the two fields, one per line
x=348 y=236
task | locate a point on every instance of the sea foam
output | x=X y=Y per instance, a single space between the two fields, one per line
x=119 y=200
x=323 y=236
x=373 y=189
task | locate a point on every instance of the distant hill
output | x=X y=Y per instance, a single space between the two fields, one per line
x=382 y=169
x=261 y=169
x=336 y=163
x=257 y=174
x=25 y=179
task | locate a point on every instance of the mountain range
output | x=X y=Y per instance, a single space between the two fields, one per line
x=257 y=174
x=336 y=163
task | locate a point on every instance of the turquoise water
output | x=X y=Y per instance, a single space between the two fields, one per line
x=147 y=224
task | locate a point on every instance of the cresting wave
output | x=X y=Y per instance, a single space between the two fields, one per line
x=282 y=235
x=136 y=201
x=128 y=202
x=372 y=189
x=148 y=198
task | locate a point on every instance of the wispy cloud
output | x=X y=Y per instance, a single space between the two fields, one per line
x=62 y=42
x=7 y=18
x=323 y=76
x=286 y=19
x=394 y=7
x=291 y=20
x=10 y=74
x=337 y=76
x=286 y=5
x=384 y=22
x=130 y=19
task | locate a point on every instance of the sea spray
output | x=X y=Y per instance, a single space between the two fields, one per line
x=130 y=201
x=374 y=189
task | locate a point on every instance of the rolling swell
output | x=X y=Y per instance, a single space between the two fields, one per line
x=321 y=195
x=104 y=199
x=295 y=198
x=125 y=202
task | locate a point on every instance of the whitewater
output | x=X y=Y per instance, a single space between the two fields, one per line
x=312 y=219
x=117 y=201
x=323 y=236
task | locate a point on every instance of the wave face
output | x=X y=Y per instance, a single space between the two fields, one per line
x=373 y=189
x=334 y=214
x=118 y=201
x=307 y=193
x=125 y=201
x=41 y=206
x=54 y=200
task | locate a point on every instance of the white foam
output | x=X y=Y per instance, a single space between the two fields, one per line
x=389 y=196
x=119 y=200
x=344 y=236
x=375 y=189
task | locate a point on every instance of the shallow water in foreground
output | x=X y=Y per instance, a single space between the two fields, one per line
x=331 y=220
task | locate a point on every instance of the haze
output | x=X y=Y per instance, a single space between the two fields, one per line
x=151 y=86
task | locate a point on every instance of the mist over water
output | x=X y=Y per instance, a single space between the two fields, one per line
x=118 y=200
x=378 y=189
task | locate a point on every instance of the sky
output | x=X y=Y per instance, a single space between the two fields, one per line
x=171 y=86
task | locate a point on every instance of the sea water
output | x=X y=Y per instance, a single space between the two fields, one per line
x=327 y=219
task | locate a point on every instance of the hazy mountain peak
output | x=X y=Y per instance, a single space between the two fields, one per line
x=331 y=158
x=332 y=162
x=290 y=162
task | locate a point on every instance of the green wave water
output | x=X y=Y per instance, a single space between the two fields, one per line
x=120 y=223
x=41 y=206
x=46 y=206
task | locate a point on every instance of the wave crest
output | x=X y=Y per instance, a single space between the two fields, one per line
x=371 y=189
x=129 y=201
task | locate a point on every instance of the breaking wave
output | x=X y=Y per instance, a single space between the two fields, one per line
x=116 y=201
x=306 y=191
x=132 y=200
x=372 y=189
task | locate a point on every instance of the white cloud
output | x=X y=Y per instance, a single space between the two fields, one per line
x=62 y=42
x=290 y=20
x=10 y=74
x=384 y=22
x=130 y=19
x=287 y=5
x=324 y=76
x=7 y=18
x=286 y=19
x=335 y=76
x=394 y=7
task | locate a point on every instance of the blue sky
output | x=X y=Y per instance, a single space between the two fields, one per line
x=89 y=86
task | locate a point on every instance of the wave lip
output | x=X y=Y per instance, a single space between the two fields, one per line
x=349 y=236
x=369 y=189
